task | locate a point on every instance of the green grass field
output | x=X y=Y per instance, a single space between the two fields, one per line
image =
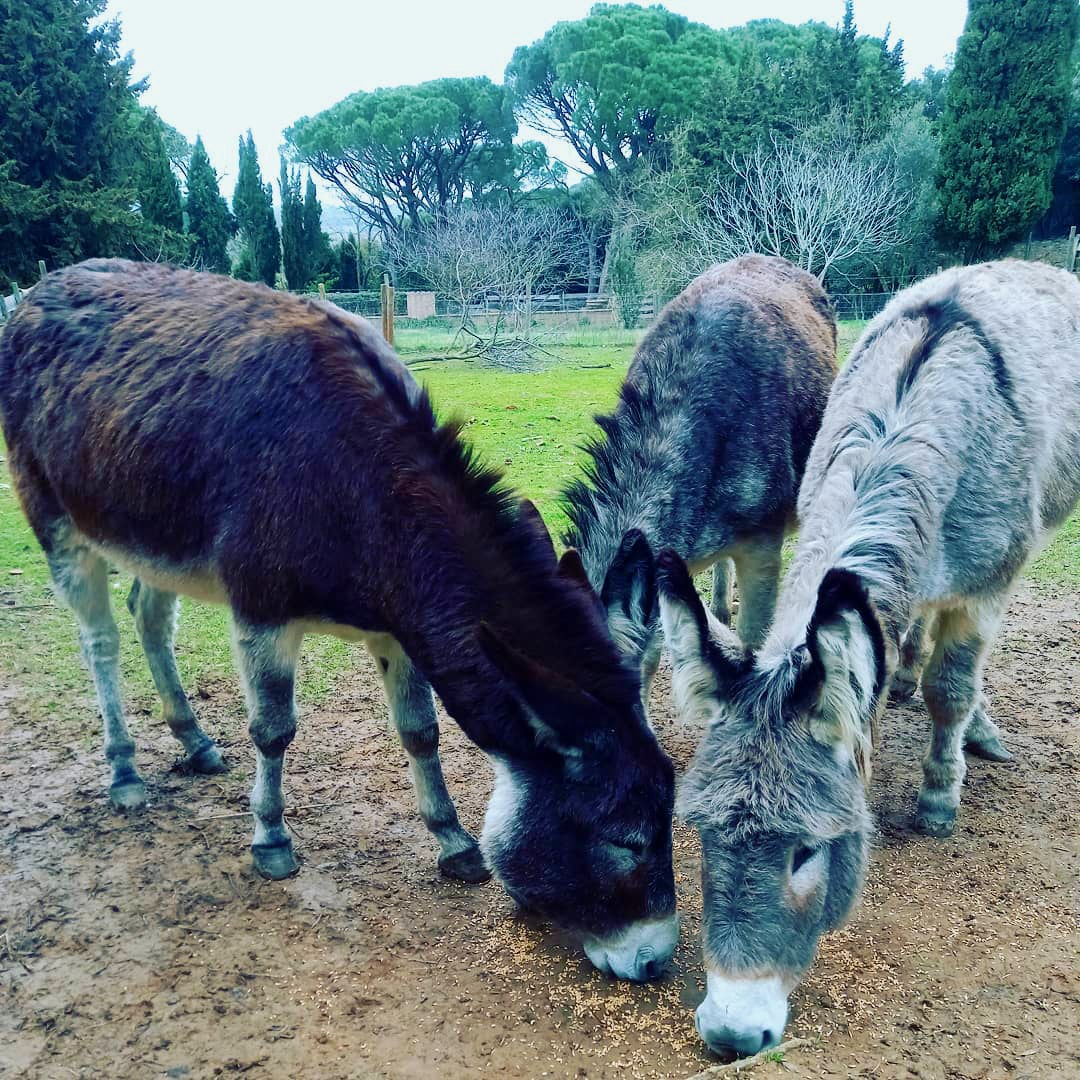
x=531 y=424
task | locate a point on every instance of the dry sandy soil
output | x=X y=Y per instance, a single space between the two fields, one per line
x=147 y=947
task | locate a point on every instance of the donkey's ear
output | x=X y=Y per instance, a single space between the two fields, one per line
x=630 y=584
x=573 y=569
x=530 y=514
x=556 y=709
x=706 y=656
x=690 y=630
x=842 y=668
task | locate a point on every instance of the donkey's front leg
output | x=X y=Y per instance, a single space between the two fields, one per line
x=266 y=657
x=723 y=574
x=412 y=710
x=757 y=566
x=81 y=578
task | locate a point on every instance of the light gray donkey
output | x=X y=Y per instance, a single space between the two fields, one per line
x=706 y=448
x=949 y=452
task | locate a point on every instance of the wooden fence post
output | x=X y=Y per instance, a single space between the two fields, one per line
x=1070 y=253
x=41 y=269
x=322 y=290
x=3 y=309
x=16 y=292
x=386 y=302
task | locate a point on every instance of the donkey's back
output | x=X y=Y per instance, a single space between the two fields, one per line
x=980 y=366
x=707 y=445
x=175 y=418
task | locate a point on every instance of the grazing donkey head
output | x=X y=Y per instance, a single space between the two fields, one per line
x=580 y=833
x=776 y=791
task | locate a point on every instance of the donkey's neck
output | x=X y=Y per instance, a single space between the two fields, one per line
x=501 y=574
x=628 y=485
x=876 y=513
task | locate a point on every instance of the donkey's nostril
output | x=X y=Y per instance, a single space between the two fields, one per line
x=648 y=965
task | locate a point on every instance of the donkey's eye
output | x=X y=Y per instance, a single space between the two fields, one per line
x=803 y=854
x=626 y=856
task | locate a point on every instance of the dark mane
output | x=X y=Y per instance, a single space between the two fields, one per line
x=547 y=616
x=583 y=498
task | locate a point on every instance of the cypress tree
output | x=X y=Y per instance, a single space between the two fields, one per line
x=158 y=188
x=209 y=222
x=292 y=228
x=1004 y=118
x=317 y=254
x=270 y=246
x=253 y=207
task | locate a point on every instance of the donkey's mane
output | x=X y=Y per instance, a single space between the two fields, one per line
x=586 y=498
x=637 y=443
x=551 y=618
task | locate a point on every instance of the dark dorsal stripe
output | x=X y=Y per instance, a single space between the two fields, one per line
x=942 y=318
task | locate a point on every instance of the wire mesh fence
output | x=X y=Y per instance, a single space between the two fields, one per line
x=848 y=305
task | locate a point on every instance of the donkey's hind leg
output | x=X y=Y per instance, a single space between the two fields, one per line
x=982 y=737
x=412 y=710
x=154 y=612
x=952 y=687
x=912 y=654
x=723 y=574
x=81 y=578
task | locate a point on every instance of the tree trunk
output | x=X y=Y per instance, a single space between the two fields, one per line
x=602 y=286
x=592 y=279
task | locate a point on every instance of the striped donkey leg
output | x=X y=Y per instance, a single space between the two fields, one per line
x=154 y=612
x=412 y=710
x=952 y=687
x=81 y=578
x=912 y=651
x=267 y=657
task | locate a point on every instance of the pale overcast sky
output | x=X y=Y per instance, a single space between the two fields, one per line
x=218 y=67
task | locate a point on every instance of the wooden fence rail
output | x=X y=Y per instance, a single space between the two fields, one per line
x=11 y=302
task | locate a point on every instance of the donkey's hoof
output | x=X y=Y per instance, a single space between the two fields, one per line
x=274 y=861
x=936 y=823
x=128 y=796
x=988 y=748
x=207 y=761
x=902 y=688
x=467 y=865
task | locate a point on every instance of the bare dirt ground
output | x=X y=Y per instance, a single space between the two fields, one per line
x=147 y=947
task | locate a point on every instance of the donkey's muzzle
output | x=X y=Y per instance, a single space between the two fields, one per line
x=744 y=1015
x=638 y=953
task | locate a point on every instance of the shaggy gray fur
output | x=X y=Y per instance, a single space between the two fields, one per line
x=949 y=452
x=706 y=448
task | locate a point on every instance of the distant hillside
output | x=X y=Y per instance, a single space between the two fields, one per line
x=337 y=221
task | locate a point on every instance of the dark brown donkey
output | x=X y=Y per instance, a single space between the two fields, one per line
x=249 y=447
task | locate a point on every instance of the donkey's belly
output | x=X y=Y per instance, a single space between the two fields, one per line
x=199 y=581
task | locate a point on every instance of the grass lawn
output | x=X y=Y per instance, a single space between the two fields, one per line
x=530 y=423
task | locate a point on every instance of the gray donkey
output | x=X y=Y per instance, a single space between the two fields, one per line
x=706 y=448
x=949 y=452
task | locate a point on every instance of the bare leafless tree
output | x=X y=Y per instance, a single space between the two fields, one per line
x=497 y=257
x=821 y=204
